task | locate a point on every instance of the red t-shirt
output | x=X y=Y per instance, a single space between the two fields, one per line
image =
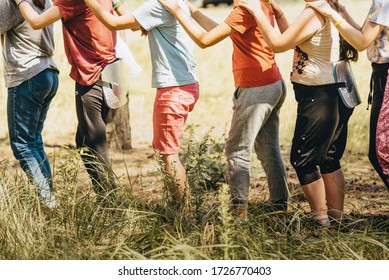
x=89 y=44
x=253 y=62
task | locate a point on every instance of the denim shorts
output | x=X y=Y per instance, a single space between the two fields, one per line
x=171 y=108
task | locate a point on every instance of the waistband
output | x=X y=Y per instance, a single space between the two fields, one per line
x=380 y=67
x=327 y=86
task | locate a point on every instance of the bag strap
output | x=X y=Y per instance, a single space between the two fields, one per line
x=104 y=84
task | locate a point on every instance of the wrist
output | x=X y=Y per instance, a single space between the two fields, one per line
x=335 y=17
x=116 y=4
x=278 y=15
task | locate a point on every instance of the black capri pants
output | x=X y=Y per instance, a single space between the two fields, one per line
x=377 y=86
x=320 y=133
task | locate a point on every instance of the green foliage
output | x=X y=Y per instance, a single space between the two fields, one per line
x=204 y=160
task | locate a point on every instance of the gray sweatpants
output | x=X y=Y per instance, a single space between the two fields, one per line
x=255 y=121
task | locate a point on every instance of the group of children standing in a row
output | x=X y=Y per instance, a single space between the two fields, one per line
x=321 y=127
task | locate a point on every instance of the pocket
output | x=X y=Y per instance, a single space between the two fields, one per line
x=236 y=93
x=40 y=84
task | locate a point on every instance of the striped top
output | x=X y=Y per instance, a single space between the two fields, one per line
x=378 y=51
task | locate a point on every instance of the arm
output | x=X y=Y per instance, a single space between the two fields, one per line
x=282 y=21
x=359 y=39
x=349 y=19
x=199 y=36
x=204 y=21
x=38 y=21
x=124 y=21
x=304 y=27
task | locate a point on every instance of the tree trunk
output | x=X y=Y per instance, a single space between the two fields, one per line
x=119 y=128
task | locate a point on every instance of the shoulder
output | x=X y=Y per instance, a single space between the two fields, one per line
x=379 y=12
x=10 y=16
x=7 y=8
x=240 y=19
x=152 y=6
x=309 y=16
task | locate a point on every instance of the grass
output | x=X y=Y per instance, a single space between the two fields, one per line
x=81 y=228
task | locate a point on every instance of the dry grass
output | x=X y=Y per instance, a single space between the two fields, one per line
x=83 y=229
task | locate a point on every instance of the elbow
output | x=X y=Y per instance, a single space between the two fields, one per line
x=279 y=48
x=36 y=26
x=361 y=48
x=202 y=45
x=276 y=49
x=111 y=26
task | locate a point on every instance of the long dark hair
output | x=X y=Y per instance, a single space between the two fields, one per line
x=347 y=52
x=39 y=3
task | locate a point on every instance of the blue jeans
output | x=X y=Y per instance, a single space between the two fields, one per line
x=27 y=108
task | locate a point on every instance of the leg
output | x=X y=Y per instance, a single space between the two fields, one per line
x=26 y=103
x=335 y=189
x=382 y=136
x=316 y=197
x=171 y=108
x=177 y=171
x=331 y=171
x=379 y=85
x=316 y=123
x=268 y=151
x=252 y=108
x=45 y=165
x=91 y=134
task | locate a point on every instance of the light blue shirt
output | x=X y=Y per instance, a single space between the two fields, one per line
x=171 y=48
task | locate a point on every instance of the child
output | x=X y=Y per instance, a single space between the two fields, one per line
x=31 y=77
x=173 y=74
x=89 y=47
x=258 y=97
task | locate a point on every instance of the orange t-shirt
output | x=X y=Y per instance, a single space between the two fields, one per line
x=253 y=62
x=89 y=44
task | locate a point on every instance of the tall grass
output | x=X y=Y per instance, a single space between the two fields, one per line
x=82 y=228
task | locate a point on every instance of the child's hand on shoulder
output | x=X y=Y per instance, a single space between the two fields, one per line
x=170 y=5
x=253 y=6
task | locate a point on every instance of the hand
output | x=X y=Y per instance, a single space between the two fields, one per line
x=253 y=6
x=276 y=9
x=342 y=10
x=322 y=7
x=170 y=5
